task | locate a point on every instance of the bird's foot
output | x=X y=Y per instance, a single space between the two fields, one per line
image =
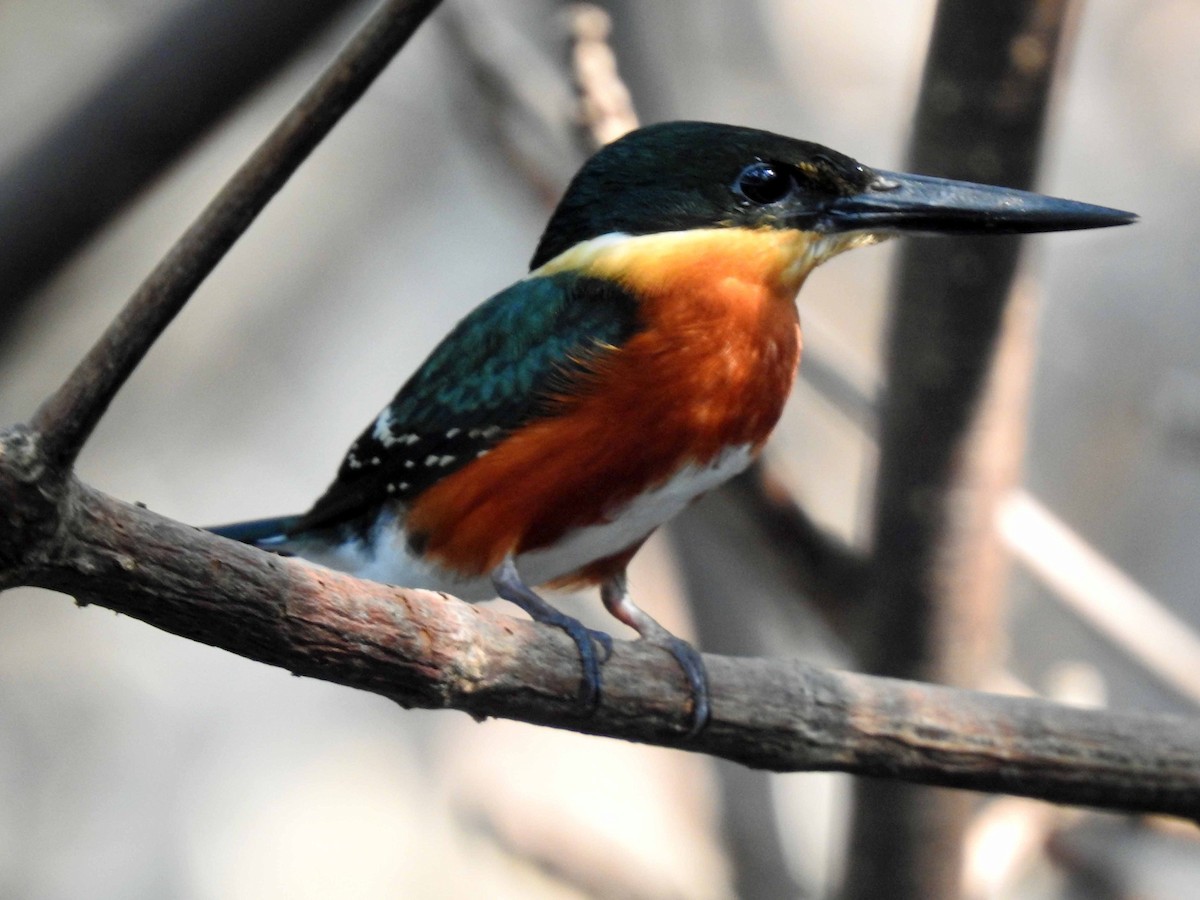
x=587 y=640
x=692 y=664
x=616 y=599
x=510 y=587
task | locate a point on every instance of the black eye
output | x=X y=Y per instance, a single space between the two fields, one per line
x=764 y=183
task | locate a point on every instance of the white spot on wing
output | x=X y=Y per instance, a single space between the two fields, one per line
x=383 y=428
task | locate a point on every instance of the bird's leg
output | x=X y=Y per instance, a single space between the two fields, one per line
x=510 y=587
x=615 y=594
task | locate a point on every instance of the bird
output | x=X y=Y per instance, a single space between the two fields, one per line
x=642 y=361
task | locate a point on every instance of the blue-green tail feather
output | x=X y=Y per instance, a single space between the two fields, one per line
x=269 y=534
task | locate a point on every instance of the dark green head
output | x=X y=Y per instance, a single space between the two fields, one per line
x=684 y=175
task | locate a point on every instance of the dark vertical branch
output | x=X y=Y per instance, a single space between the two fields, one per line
x=193 y=68
x=937 y=564
x=67 y=418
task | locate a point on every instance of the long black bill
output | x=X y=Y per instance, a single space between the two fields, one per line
x=893 y=201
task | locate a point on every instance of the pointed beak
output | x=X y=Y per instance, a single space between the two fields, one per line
x=895 y=202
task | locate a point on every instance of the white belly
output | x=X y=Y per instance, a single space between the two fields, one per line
x=388 y=559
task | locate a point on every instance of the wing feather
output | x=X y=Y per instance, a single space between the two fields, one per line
x=500 y=368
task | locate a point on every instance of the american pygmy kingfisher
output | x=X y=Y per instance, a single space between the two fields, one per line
x=643 y=361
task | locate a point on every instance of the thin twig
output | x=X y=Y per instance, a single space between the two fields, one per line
x=66 y=420
x=605 y=105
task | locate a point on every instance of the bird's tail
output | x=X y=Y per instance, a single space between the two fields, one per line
x=268 y=534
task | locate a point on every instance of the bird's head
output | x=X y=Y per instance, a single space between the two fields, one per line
x=685 y=176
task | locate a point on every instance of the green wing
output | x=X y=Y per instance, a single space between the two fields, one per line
x=492 y=374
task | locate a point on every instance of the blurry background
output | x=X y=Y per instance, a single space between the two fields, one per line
x=134 y=764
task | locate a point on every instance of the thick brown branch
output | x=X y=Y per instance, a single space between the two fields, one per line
x=425 y=649
x=68 y=417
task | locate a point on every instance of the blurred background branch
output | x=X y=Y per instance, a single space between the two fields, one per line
x=959 y=356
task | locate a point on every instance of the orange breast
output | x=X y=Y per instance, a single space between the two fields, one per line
x=711 y=368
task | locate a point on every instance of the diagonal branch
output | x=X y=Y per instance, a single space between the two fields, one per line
x=428 y=650
x=66 y=420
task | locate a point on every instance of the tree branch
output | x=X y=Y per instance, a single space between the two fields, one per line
x=67 y=418
x=428 y=650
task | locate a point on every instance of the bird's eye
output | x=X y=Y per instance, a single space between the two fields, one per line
x=764 y=183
